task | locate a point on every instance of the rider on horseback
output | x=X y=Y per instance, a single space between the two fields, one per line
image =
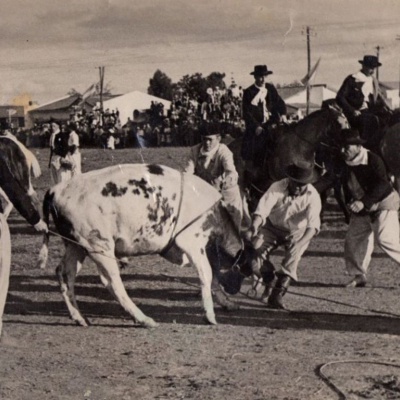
x=262 y=108
x=363 y=103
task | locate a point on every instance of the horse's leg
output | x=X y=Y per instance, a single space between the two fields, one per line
x=338 y=193
x=8 y=205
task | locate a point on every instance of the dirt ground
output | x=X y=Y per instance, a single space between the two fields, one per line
x=253 y=353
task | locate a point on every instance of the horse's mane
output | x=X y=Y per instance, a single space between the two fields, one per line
x=16 y=161
x=310 y=118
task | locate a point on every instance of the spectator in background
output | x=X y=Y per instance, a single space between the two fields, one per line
x=73 y=146
x=60 y=163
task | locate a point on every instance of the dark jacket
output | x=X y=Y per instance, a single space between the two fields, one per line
x=17 y=195
x=350 y=96
x=372 y=178
x=253 y=115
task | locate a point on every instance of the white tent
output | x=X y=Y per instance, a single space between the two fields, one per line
x=128 y=103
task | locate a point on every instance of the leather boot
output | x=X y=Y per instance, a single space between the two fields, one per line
x=276 y=298
x=269 y=279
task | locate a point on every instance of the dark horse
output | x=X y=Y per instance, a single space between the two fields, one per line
x=21 y=168
x=390 y=147
x=292 y=143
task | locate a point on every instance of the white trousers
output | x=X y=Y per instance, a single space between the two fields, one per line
x=290 y=262
x=359 y=242
x=5 y=265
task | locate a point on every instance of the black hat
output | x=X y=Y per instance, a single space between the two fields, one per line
x=210 y=129
x=350 y=136
x=302 y=172
x=261 y=70
x=370 y=61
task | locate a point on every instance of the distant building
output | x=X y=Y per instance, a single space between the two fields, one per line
x=295 y=97
x=59 y=109
x=130 y=102
x=62 y=109
x=12 y=114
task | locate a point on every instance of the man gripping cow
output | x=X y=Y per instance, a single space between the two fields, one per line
x=212 y=161
x=287 y=215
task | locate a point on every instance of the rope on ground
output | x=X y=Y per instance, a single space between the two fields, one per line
x=333 y=386
x=344 y=304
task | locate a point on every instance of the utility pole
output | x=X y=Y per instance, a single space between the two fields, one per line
x=101 y=81
x=378 y=48
x=398 y=38
x=308 y=88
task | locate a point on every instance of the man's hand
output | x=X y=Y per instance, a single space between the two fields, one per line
x=356 y=206
x=250 y=233
x=357 y=113
x=41 y=226
x=259 y=130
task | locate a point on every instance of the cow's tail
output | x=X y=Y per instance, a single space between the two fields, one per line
x=35 y=167
x=44 y=251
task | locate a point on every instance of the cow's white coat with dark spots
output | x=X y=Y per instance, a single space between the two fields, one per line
x=136 y=209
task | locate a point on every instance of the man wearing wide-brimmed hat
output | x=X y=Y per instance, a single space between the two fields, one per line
x=374 y=206
x=363 y=103
x=288 y=214
x=262 y=107
x=212 y=161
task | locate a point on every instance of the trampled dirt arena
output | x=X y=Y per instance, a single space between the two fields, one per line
x=253 y=353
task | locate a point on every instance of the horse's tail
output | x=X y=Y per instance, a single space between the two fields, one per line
x=44 y=251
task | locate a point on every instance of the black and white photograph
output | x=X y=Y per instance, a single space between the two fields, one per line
x=199 y=200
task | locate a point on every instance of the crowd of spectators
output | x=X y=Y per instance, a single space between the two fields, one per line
x=156 y=127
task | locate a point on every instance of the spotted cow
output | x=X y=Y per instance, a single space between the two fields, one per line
x=137 y=209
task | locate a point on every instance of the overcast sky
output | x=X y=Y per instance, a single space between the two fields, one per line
x=50 y=46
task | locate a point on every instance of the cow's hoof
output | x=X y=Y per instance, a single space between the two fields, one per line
x=82 y=322
x=211 y=319
x=149 y=323
x=231 y=306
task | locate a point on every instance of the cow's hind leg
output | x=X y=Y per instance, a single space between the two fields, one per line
x=111 y=278
x=66 y=272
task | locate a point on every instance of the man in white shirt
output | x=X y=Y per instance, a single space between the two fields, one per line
x=288 y=214
x=75 y=154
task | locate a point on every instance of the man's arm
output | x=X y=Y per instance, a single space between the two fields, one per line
x=343 y=94
x=379 y=177
x=228 y=165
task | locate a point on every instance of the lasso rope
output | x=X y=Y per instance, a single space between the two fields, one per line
x=333 y=386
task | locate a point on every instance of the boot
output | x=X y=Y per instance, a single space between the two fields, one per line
x=276 y=298
x=269 y=279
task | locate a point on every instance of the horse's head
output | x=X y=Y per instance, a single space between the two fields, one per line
x=336 y=113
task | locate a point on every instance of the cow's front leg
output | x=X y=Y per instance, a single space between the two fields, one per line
x=193 y=244
x=221 y=298
x=111 y=278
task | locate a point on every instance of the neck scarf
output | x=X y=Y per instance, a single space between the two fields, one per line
x=206 y=156
x=360 y=159
x=368 y=84
x=260 y=98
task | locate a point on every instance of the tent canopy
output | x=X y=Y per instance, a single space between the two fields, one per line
x=128 y=103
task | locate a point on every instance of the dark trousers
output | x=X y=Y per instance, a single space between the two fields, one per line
x=368 y=126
